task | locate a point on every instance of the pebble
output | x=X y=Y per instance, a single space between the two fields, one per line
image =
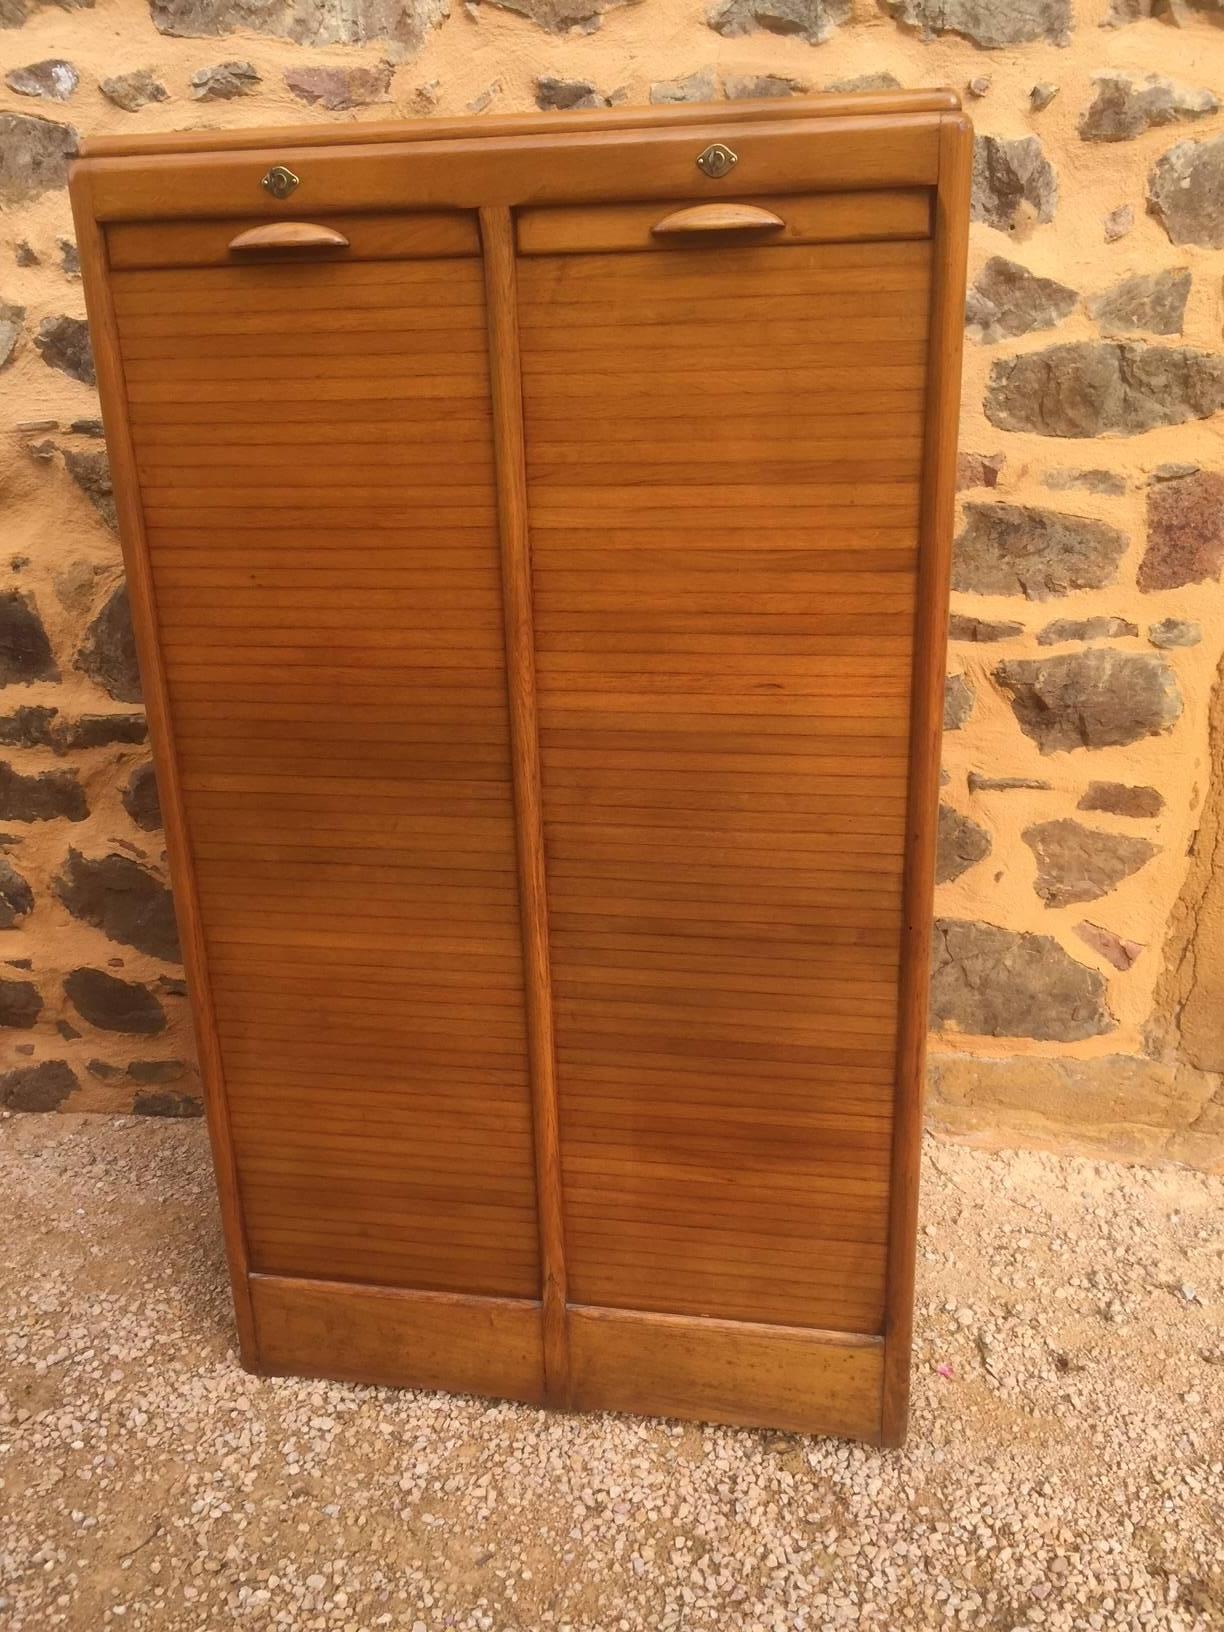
x=1063 y=1471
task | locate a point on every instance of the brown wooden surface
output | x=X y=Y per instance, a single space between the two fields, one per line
x=375 y=1334
x=135 y=245
x=501 y=295
x=492 y=130
x=558 y=165
x=694 y=467
x=749 y=1375
x=930 y=663
x=824 y=218
x=549 y=747
x=347 y=777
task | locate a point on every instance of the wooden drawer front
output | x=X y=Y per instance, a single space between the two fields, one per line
x=314 y=452
x=135 y=245
x=828 y=218
x=724 y=467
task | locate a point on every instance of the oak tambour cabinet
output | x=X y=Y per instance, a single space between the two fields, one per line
x=537 y=534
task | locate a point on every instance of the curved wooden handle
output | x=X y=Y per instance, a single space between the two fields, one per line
x=718 y=218
x=294 y=235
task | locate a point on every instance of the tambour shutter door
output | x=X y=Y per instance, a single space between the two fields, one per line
x=315 y=460
x=724 y=461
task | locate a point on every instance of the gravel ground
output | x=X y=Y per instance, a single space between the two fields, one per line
x=1064 y=1467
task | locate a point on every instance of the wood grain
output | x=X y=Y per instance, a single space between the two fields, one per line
x=501 y=295
x=669 y=847
x=542 y=623
x=751 y=1375
x=410 y=1339
x=930 y=662
x=344 y=820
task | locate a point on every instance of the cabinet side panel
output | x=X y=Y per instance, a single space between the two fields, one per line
x=314 y=454
x=725 y=452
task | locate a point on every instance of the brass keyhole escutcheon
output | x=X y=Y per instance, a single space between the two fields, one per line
x=280 y=181
x=716 y=161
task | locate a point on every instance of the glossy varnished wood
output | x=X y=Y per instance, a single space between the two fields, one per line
x=420 y=1173
x=799 y=1236
x=542 y=625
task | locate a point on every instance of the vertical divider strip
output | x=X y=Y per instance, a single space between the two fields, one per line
x=501 y=301
x=946 y=339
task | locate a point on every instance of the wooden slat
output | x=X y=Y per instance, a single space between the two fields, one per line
x=699 y=704
x=749 y=1375
x=381 y=1335
x=343 y=829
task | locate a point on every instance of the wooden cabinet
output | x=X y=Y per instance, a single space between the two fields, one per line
x=537 y=536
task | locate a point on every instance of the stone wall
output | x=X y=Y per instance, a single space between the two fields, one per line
x=1080 y=812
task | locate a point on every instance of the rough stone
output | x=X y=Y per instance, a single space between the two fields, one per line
x=112 y=1004
x=140 y=799
x=981 y=630
x=980 y=86
x=34 y=155
x=701 y=86
x=978 y=470
x=962 y=843
x=989 y=23
x=1041 y=95
x=883 y=81
x=1124 y=108
x=958 y=702
x=557 y=16
x=1185 y=531
x=25 y=651
x=315 y=22
x=1087 y=481
x=53 y=79
x=1186 y=193
x=812 y=20
x=1115 y=949
x=41 y=1087
x=224 y=81
x=1154 y=302
x=1014 y=184
x=1175 y=632
x=340 y=88
x=20 y=1004
x=1078 y=863
x=16 y=896
x=63 y=343
x=31 y=726
x=1008 y=300
x=149 y=1072
x=90 y=470
x=122 y=899
x=167 y=1103
x=1014 y=549
x=44 y=797
x=560 y=95
x=11 y=318
x=1119 y=222
x=1092 y=387
x=980 y=783
x=108 y=654
x=760 y=87
x=1118 y=1105
x=70 y=258
x=1101 y=628
x=992 y=982
x=1097 y=699
x=1120 y=799
x=100 y=731
x=133 y=91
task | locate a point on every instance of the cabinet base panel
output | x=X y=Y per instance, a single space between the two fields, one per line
x=747 y=1375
